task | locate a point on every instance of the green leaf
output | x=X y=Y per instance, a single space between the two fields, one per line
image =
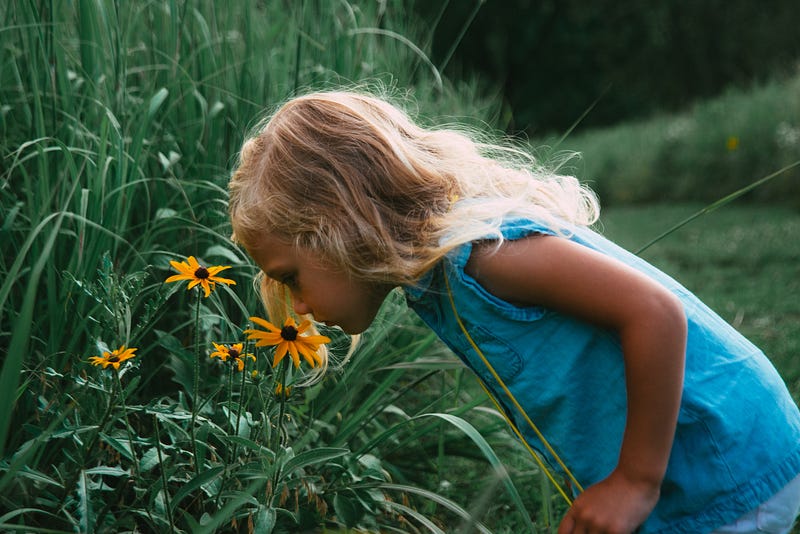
x=312 y=456
x=439 y=499
x=148 y=460
x=416 y=515
x=252 y=445
x=195 y=483
x=348 y=511
x=85 y=505
x=490 y=455
x=106 y=470
x=118 y=445
x=156 y=102
x=265 y=519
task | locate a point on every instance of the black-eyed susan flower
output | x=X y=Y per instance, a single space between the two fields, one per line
x=196 y=274
x=113 y=358
x=288 y=339
x=233 y=353
x=283 y=391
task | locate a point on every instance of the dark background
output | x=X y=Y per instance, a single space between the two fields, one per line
x=552 y=59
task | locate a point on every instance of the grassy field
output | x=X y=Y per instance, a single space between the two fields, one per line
x=742 y=260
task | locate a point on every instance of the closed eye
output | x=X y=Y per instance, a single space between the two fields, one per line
x=289 y=280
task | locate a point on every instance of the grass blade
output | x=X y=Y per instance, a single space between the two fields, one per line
x=718 y=204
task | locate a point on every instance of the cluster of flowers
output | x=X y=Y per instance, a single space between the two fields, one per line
x=286 y=340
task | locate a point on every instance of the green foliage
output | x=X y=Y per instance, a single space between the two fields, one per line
x=119 y=124
x=552 y=59
x=712 y=150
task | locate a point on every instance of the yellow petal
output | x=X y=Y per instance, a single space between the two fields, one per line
x=308 y=355
x=222 y=280
x=179 y=277
x=265 y=324
x=212 y=271
x=206 y=287
x=295 y=355
x=280 y=352
x=316 y=340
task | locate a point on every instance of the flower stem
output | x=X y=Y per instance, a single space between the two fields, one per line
x=282 y=404
x=167 y=504
x=239 y=405
x=280 y=434
x=128 y=427
x=196 y=392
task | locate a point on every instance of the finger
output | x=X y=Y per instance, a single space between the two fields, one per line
x=567 y=525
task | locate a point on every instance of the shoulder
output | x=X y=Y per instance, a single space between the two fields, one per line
x=497 y=265
x=557 y=273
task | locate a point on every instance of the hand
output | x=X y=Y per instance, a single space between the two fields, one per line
x=616 y=505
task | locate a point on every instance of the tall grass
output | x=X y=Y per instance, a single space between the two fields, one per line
x=118 y=124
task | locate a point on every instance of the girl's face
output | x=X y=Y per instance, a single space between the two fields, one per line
x=329 y=294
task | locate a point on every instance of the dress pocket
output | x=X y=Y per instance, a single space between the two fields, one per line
x=501 y=355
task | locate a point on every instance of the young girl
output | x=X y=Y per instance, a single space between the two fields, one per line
x=664 y=417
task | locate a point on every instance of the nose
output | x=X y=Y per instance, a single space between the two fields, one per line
x=299 y=305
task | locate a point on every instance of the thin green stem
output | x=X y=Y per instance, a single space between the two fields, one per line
x=231 y=452
x=167 y=504
x=196 y=392
x=282 y=403
x=93 y=442
x=128 y=427
x=718 y=204
x=230 y=384
x=241 y=401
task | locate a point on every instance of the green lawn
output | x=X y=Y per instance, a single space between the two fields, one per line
x=742 y=260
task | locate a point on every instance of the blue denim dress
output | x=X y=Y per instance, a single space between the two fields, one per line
x=738 y=436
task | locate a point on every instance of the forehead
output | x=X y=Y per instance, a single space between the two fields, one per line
x=275 y=254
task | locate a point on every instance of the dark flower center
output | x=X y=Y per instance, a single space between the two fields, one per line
x=113 y=358
x=201 y=273
x=289 y=333
x=233 y=353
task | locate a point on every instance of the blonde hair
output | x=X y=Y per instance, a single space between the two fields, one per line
x=353 y=178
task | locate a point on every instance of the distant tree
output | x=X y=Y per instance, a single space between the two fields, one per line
x=554 y=58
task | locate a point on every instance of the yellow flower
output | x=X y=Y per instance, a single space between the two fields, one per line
x=732 y=143
x=281 y=391
x=113 y=358
x=206 y=277
x=234 y=352
x=288 y=339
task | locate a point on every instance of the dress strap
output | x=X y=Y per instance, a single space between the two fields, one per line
x=517 y=405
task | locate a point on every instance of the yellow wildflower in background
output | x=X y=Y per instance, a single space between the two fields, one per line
x=732 y=143
x=113 y=358
x=232 y=352
x=196 y=274
x=288 y=339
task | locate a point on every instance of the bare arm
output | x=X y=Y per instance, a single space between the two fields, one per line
x=567 y=277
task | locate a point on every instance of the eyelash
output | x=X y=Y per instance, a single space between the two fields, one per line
x=289 y=281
